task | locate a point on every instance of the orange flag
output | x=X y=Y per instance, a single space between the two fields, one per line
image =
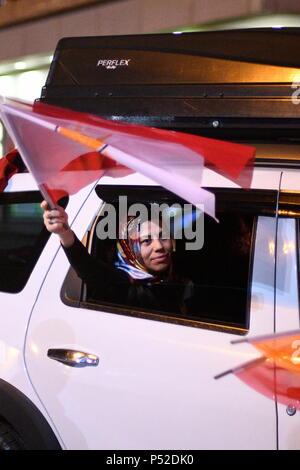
x=276 y=374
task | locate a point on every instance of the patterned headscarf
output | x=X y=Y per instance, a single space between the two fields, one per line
x=129 y=251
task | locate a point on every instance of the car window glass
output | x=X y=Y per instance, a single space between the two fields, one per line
x=22 y=238
x=214 y=280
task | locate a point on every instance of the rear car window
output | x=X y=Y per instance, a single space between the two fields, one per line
x=218 y=272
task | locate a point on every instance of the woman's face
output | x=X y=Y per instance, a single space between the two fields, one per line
x=155 y=250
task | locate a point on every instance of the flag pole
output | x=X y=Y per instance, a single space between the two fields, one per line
x=241 y=367
x=47 y=197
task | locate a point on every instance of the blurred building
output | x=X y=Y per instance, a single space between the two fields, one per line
x=30 y=29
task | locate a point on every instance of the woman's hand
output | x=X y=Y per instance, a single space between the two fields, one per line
x=56 y=221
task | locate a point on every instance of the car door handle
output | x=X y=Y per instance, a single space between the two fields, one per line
x=73 y=358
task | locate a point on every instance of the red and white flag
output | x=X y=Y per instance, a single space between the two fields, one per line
x=66 y=150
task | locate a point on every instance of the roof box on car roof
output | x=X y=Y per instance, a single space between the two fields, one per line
x=236 y=82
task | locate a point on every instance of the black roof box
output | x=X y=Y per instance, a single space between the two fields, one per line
x=232 y=82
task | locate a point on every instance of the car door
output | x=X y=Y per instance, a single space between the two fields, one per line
x=154 y=386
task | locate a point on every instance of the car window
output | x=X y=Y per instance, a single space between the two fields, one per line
x=22 y=238
x=214 y=279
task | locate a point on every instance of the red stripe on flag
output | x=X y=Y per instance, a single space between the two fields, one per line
x=10 y=164
x=80 y=172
